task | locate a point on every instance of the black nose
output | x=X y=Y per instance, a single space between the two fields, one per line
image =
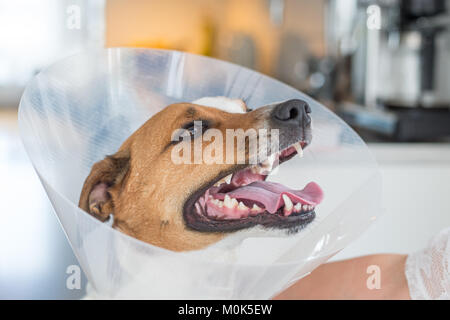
x=293 y=111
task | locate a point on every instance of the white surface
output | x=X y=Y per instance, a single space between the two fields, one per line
x=416 y=193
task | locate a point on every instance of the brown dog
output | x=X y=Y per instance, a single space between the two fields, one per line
x=190 y=206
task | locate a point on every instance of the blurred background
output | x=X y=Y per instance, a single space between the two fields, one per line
x=382 y=65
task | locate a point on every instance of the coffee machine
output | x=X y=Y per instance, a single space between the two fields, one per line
x=397 y=55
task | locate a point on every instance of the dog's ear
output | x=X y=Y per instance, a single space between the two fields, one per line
x=95 y=197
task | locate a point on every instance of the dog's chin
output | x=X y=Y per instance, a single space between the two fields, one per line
x=242 y=199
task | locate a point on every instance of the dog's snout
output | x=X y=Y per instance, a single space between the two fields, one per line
x=293 y=111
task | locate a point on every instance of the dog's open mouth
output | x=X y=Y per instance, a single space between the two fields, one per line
x=244 y=199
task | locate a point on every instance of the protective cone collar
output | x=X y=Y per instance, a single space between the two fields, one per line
x=82 y=108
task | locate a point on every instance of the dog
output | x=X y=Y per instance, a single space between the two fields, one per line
x=189 y=206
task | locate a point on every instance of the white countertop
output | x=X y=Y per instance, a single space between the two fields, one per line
x=416 y=192
x=411 y=153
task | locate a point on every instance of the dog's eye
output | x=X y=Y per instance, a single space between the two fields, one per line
x=196 y=128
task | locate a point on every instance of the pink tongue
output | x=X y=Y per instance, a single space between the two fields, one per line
x=270 y=194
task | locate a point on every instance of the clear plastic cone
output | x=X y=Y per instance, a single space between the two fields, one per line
x=83 y=108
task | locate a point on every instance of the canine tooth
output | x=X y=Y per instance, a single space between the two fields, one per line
x=299 y=149
x=287 y=203
x=228 y=178
x=242 y=206
x=267 y=164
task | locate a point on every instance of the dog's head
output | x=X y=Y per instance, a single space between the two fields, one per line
x=190 y=176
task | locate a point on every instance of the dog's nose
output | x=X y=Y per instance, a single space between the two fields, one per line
x=293 y=111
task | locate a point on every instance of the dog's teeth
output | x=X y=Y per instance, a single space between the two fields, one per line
x=258 y=169
x=255 y=208
x=272 y=159
x=265 y=164
x=198 y=208
x=299 y=149
x=287 y=203
x=227 y=201
x=298 y=207
x=242 y=206
x=226 y=180
x=230 y=202
x=219 y=203
x=269 y=161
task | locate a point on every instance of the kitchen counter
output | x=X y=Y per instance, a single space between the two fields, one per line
x=416 y=193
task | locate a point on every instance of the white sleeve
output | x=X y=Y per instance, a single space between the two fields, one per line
x=428 y=271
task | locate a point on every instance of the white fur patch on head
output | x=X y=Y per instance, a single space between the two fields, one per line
x=223 y=103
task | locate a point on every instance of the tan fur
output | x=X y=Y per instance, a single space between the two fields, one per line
x=147 y=190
